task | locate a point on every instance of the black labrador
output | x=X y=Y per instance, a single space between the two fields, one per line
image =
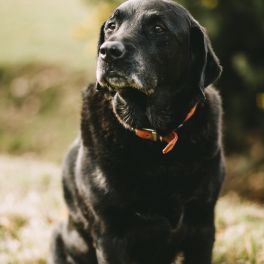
x=141 y=183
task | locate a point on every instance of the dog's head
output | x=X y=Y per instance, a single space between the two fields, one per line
x=157 y=60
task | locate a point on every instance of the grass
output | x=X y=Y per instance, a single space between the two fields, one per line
x=31 y=205
x=240 y=236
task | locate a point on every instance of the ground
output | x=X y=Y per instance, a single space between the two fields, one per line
x=31 y=205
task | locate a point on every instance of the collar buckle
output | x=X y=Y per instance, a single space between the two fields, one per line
x=147 y=133
x=171 y=139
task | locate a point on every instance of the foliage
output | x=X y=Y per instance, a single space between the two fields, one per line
x=237 y=31
x=39 y=109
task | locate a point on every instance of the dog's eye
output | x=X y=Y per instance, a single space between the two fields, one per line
x=111 y=26
x=158 y=29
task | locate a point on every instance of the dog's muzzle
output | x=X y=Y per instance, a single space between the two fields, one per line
x=120 y=66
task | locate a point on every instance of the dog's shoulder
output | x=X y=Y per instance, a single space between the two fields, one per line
x=214 y=100
x=69 y=173
x=70 y=159
x=214 y=113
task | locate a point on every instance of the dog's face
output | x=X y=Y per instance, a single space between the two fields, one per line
x=155 y=58
x=142 y=40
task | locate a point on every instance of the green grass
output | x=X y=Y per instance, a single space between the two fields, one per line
x=31 y=205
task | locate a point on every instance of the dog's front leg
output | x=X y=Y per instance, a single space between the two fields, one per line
x=69 y=247
x=143 y=242
x=199 y=232
x=198 y=250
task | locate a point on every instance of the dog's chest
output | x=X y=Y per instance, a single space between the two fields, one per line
x=145 y=185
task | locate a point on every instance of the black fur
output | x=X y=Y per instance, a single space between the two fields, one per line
x=128 y=203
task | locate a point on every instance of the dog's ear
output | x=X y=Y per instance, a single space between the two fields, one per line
x=101 y=39
x=205 y=64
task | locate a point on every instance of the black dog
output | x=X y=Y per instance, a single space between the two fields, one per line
x=142 y=181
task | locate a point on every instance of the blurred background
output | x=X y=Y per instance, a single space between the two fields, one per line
x=48 y=55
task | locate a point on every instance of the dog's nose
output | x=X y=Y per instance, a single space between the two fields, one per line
x=112 y=50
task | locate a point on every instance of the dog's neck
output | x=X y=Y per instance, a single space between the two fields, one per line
x=123 y=115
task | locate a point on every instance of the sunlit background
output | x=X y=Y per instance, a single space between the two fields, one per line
x=48 y=55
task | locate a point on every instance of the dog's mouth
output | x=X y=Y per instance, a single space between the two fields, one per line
x=134 y=104
x=117 y=82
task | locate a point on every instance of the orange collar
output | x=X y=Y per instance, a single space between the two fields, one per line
x=171 y=139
